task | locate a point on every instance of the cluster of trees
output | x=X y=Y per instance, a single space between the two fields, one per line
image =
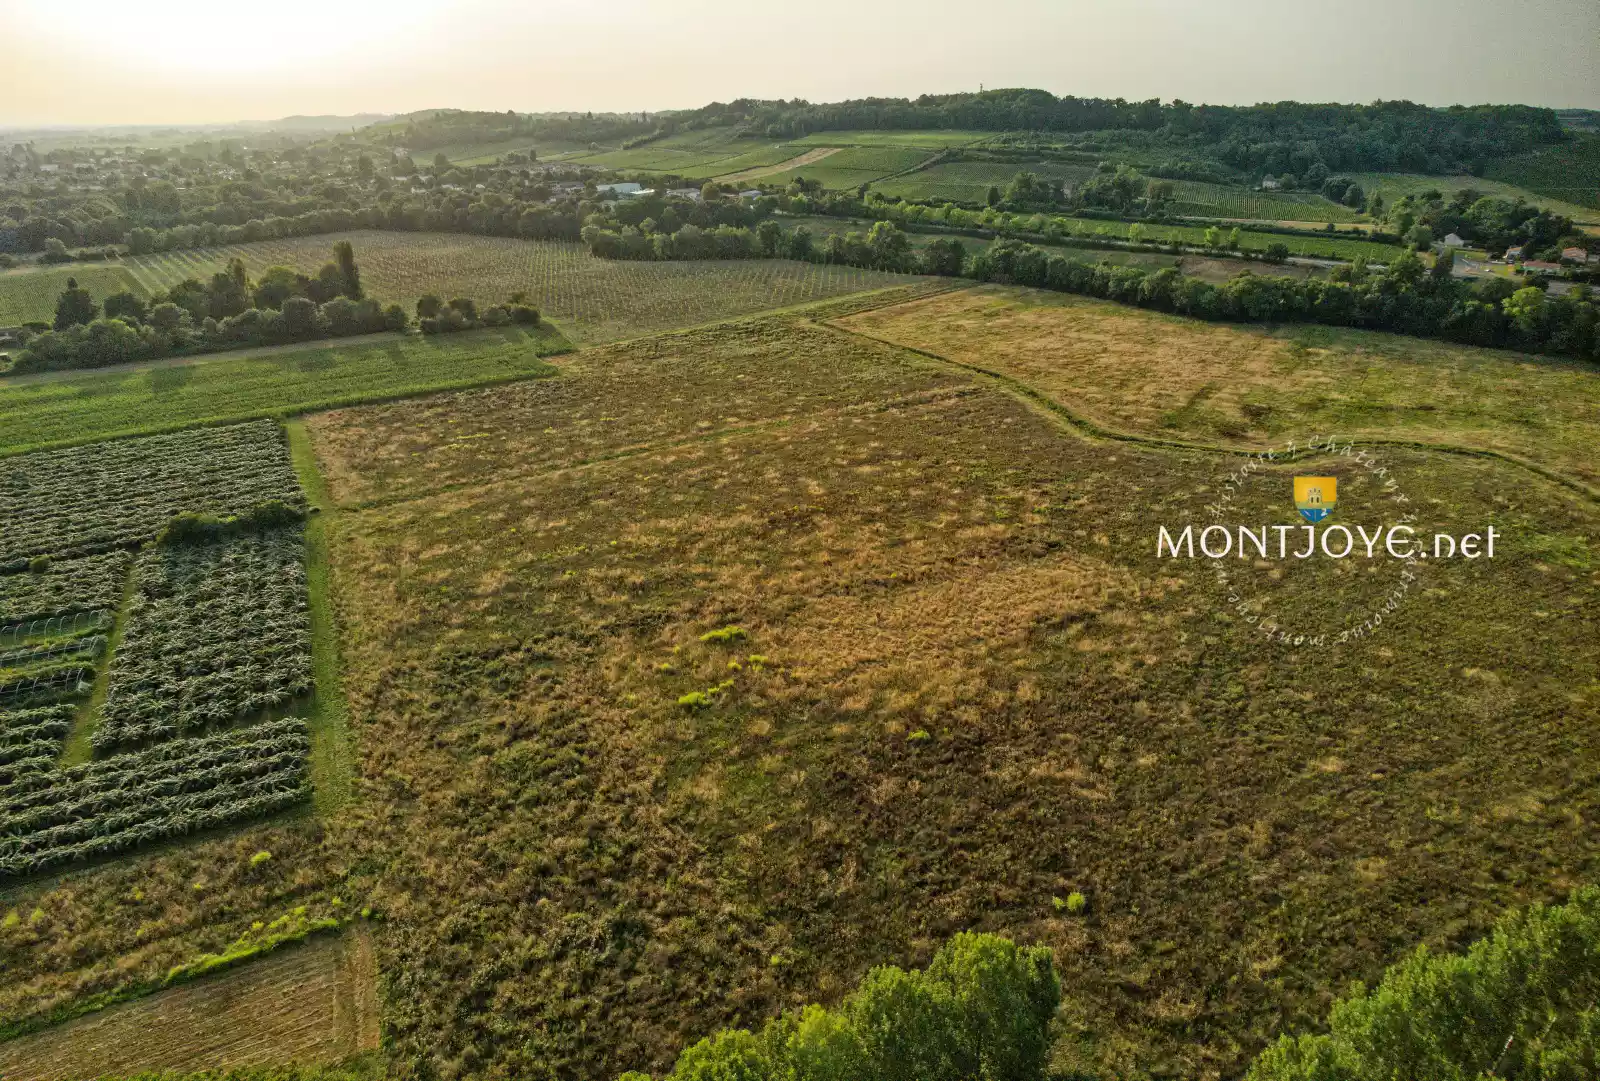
x=435 y=316
x=885 y=246
x=230 y=311
x=436 y=128
x=1491 y=223
x=981 y=1009
x=1524 y=1002
x=1407 y=296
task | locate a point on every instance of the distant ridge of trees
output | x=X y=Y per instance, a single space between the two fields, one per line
x=1278 y=136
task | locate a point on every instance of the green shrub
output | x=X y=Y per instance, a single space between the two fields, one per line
x=982 y=1009
x=198 y=528
x=725 y=634
x=1523 y=1002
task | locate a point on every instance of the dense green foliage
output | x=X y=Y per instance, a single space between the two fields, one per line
x=1523 y=1002
x=228 y=312
x=1278 y=138
x=1493 y=224
x=981 y=1009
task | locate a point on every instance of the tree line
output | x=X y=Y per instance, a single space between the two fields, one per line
x=1406 y=297
x=1277 y=137
x=232 y=311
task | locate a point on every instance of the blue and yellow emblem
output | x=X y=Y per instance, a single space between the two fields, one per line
x=1314 y=497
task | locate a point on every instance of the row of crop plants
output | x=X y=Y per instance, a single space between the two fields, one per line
x=216 y=637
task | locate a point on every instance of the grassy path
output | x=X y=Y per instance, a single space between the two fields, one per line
x=332 y=761
x=253 y=352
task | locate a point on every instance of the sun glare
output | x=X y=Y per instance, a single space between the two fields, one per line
x=187 y=36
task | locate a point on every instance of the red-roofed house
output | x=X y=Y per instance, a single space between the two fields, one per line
x=1577 y=255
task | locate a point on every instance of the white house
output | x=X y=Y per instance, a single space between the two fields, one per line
x=628 y=188
x=1270 y=183
x=1513 y=253
x=1454 y=241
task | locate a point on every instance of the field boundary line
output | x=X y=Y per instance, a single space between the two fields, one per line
x=332 y=758
x=1094 y=428
x=182 y=975
x=77 y=749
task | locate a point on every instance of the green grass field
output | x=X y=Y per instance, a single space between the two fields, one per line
x=592 y=299
x=1219 y=201
x=28 y=295
x=929 y=140
x=1327 y=247
x=83 y=406
x=1393 y=185
x=969 y=181
x=854 y=166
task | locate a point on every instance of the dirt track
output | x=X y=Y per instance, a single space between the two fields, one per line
x=810 y=157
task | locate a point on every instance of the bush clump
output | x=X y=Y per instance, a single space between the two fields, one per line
x=981 y=1009
x=1523 y=1002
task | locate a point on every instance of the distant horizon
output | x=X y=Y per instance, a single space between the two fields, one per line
x=377 y=116
x=176 y=63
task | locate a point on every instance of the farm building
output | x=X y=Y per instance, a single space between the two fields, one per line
x=626 y=188
x=751 y=193
x=692 y=194
x=1454 y=241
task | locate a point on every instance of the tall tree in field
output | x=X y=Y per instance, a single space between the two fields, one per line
x=74 y=307
x=346 y=257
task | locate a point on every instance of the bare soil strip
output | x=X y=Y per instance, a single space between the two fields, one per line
x=810 y=157
x=308 y=1004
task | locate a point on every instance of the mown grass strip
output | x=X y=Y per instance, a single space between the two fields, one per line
x=78 y=749
x=332 y=760
x=93 y=407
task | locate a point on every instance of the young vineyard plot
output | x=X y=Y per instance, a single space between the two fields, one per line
x=52 y=817
x=217 y=631
x=216 y=635
x=107 y=495
x=90 y=584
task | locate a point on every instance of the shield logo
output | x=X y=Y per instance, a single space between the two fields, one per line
x=1314 y=497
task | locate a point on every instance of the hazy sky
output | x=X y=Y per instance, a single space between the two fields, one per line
x=162 y=61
